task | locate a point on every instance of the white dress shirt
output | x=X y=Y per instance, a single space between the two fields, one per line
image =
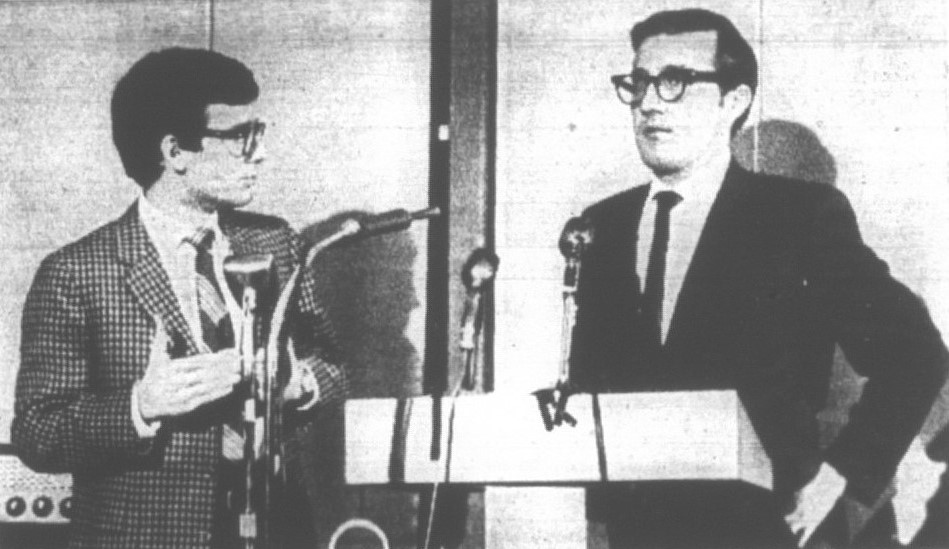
x=687 y=219
x=177 y=256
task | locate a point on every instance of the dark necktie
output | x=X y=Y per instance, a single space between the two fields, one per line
x=654 y=290
x=216 y=330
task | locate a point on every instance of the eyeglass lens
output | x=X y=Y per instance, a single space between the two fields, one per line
x=669 y=86
x=255 y=132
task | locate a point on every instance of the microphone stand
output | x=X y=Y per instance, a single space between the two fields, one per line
x=252 y=273
x=262 y=420
x=476 y=274
x=577 y=235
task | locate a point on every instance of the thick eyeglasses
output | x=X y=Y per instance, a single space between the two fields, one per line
x=241 y=140
x=670 y=84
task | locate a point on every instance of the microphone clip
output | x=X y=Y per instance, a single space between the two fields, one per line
x=552 y=404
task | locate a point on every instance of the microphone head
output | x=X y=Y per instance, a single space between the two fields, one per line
x=249 y=270
x=349 y=227
x=479 y=269
x=577 y=236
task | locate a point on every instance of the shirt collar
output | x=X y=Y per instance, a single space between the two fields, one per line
x=701 y=186
x=168 y=231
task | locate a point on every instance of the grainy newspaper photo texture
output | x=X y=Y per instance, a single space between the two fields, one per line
x=462 y=274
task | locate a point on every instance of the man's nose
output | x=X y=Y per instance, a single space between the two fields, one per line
x=651 y=101
x=259 y=154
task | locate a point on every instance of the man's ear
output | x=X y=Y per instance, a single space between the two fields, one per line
x=738 y=100
x=172 y=155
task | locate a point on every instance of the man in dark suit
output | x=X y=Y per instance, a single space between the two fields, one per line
x=711 y=277
x=128 y=368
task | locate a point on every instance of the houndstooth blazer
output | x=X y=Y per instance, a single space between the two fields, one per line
x=87 y=328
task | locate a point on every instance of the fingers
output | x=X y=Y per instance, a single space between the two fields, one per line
x=159 y=348
x=175 y=387
x=221 y=363
x=199 y=394
x=801 y=524
x=170 y=400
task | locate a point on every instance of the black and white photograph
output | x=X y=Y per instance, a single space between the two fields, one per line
x=464 y=274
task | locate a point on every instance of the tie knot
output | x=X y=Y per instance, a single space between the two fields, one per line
x=667 y=199
x=202 y=238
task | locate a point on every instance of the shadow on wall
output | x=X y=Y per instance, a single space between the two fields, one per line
x=792 y=150
x=787 y=149
x=368 y=290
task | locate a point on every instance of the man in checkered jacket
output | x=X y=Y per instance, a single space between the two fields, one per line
x=117 y=384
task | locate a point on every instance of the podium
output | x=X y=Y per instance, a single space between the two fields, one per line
x=500 y=440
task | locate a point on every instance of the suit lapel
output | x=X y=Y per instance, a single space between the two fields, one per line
x=148 y=280
x=697 y=307
x=626 y=227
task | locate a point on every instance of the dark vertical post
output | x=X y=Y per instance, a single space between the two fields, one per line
x=474 y=98
x=437 y=326
x=435 y=367
x=464 y=45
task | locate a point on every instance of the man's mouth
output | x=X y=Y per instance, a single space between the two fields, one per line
x=656 y=131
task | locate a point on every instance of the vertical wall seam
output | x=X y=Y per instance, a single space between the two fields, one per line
x=209 y=20
x=756 y=129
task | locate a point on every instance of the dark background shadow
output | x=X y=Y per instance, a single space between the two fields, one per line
x=787 y=149
x=792 y=150
x=367 y=288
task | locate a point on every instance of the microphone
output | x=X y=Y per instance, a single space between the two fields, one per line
x=476 y=274
x=479 y=269
x=576 y=237
x=252 y=270
x=354 y=229
x=250 y=275
x=393 y=220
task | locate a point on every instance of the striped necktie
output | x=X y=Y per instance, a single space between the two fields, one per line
x=217 y=333
x=216 y=330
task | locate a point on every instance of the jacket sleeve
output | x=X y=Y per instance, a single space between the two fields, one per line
x=887 y=336
x=314 y=334
x=62 y=423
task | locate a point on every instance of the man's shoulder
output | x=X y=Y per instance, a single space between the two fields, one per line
x=617 y=204
x=92 y=255
x=97 y=244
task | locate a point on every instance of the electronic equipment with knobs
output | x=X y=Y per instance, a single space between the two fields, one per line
x=28 y=497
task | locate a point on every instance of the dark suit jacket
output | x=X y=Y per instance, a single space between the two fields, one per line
x=779 y=276
x=87 y=329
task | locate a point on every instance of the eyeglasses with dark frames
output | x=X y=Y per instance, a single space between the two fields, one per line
x=670 y=84
x=241 y=140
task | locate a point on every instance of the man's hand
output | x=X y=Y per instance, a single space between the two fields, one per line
x=175 y=387
x=814 y=501
x=917 y=480
x=301 y=388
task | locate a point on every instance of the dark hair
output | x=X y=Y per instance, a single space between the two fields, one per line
x=167 y=93
x=734 y=58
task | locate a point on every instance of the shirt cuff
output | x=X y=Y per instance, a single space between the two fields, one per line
x=145 y=429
